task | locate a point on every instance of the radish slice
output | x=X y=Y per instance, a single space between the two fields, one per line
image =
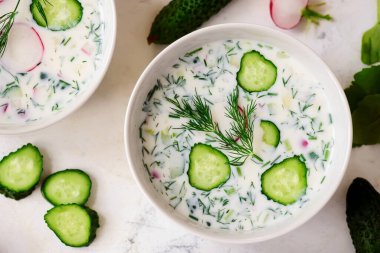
x=25 y=49
x=287 y=14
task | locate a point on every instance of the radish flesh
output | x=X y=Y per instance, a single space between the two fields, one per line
x=25 y=49
x=287 y=14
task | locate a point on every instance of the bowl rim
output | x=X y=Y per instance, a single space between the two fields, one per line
x=49 y=121
x=197 y=230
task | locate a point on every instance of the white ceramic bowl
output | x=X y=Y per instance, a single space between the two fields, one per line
x=338 y=105
x=109 y=16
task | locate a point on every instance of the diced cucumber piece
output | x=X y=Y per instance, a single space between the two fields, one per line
x=271 y=133
x=20 y=172
x=285 y=182
x=60 y=14
x=256 y=73
x=73 y=224
x=71 y=186
x=209 y=168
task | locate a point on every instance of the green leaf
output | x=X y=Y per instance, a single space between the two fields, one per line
x=371 y=45
x=366 y=121
x=314 y=16
x=366 y=82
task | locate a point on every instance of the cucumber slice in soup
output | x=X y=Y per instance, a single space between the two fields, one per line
x=60 y=14
x=285 y=182
x=256 y=73
x=66 y=187
x=271 y=133
x=20 y=172
x=73 y=224
x=209 y=168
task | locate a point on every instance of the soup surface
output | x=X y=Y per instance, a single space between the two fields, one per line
x=43 y=71
x=295 y=104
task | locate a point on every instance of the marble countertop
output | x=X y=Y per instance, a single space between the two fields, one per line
x=92 y=139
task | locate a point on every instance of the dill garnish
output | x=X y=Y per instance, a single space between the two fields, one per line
x=7 y=20
x=237 y=141
x=6 y=23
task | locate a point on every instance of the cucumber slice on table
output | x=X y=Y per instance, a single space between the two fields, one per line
x=256 y=73
x=271 y=134
x=73 y=224
x=20 y=172
x=209 y=168
x=66 y=187
x=60 y=14
x=285 y=182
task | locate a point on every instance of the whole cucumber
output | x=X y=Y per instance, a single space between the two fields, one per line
x=181 y=17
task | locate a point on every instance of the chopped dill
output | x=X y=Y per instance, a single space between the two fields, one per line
x=199 y=113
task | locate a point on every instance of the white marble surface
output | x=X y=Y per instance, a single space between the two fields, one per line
x=92 y=139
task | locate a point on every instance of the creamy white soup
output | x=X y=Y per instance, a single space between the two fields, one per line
x=43 y=71
x=295 y=103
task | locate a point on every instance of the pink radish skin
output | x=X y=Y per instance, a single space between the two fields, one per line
x=286 y=14
x=4 y=106
x=25 y=49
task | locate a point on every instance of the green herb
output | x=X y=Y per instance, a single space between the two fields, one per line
x=6 y=23
x=237 y=141
x=188 y=54
x=314 y=16
x=366 y=82
x=366 y=121
x=371 y=42
x=364 y=100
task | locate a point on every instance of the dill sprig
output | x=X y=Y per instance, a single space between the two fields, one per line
x=6 y=23
x=237 y=141
x=7 y=20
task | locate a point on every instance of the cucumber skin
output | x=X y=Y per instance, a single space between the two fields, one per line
x=94 y=217
x=41 y=22
x=20 y=195
x=273 y=127
x=181 y=17
x=57 y=173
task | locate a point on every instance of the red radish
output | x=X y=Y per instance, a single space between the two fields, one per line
x=4 y=106
x=25 y=49
x=286 y=14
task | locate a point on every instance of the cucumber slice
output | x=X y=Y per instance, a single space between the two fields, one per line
x=256 y=73
x=285 y=182
x=73 y=224
x=271 y=134
x=20 y=172
x=209 y=168
x=67 y=187
x=60 y=14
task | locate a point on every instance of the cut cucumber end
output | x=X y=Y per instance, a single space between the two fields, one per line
x=209 y=168
x=271 y=133
x=256 y=73
x=71 y=186
x=73 y=224
x=20 y=172
x=285 y=182
x=60 y=14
